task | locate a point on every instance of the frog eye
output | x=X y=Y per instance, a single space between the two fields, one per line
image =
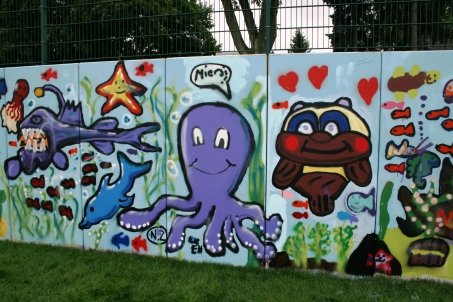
x=305 y=128
x=331 y=128
x=222 y=139
x=197 y=136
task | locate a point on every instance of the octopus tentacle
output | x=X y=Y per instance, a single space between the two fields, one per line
x=136 y=220
x=228 y=234
x=213 y=240
x=253 y=212
x=180 y=223
x=249 y=239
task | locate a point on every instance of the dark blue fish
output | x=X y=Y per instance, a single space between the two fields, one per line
x=119 y=239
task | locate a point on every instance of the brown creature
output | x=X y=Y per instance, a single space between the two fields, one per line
x=322 y=146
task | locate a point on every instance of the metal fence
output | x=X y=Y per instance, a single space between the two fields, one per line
x=58 y=31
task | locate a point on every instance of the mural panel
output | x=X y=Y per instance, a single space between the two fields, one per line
x=215 y=162
x=42 y=165
x=323 y=134
x=124 y=166
x=5 y=196
x=416 y=172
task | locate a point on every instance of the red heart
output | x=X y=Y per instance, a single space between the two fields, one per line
x=317 y=75
x=289 y=81
x=367 y=89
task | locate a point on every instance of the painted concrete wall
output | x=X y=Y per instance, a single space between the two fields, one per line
x=339 y=162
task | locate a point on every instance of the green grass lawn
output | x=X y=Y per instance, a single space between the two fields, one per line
x=30 y=272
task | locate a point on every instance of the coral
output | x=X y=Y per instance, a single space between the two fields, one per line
x=342 y=236
x=320 y=245
x=295 y=246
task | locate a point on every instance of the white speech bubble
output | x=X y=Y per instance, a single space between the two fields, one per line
x=214 y=76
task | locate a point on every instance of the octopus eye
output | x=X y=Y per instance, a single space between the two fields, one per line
x=331 y=128
x=305 y=128
x=36 y=119
x=222 y=139
x=197 y=136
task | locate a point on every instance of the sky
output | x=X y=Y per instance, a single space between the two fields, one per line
x=309 y=15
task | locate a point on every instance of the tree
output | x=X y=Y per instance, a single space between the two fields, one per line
x=80 y=30
x=299 y=43
x=256 y=32
x=391 y=25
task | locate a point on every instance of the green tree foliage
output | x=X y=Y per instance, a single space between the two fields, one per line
x=391 y=25
x=98 y=30
x=299 y=43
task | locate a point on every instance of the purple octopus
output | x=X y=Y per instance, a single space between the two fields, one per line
x=215 y=145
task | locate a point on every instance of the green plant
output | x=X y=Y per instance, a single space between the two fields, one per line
x=295 y=246
x=342 y=236
x=384 y=217
x=320 y=234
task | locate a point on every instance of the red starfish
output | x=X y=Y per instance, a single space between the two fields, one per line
x=120 y=89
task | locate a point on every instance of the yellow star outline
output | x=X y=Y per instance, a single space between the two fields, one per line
x=120 y=89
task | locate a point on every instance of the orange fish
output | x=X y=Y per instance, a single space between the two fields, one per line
x=395 y=168
x=300 y=204
x=48 y=74
x=72 y=151
x=445 y=149
x=406 y=113
x=12 y=143
x=447 y=124
x=436 y=114
x=280 y=105
x=399 y=130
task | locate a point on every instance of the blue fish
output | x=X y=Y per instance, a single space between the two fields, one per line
x=119 y=239
x=43 y=134
x=110 y=197
x=358 y=202
x=3 y=88
x=342 y=215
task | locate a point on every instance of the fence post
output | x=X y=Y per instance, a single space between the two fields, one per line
x=43 y=26
x=267 y=27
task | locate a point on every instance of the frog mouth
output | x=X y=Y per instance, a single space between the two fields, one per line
x=34 y=140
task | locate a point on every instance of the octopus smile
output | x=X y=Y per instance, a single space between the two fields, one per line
x=229 y=164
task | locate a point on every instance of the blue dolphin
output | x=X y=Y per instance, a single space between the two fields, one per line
x=110 y=197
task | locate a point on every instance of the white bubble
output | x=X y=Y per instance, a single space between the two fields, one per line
x=172 y=169
x=175 y=117
x=213 y=76
x=186 y=98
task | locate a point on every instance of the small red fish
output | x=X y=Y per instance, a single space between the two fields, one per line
x=53 y=192
x=105 y=165
x=445 y=149
x=48 y=74
x=33 y=203
x=36 y=182
x=395 y=168
x=447 y=124
x=392 y=105
x=66 y=211
x=406 y=113
x=72 y=151
x=47 y=205
x=399 y=130
x=144 y=68
x=12 y=143
x=299 y=215
x=88 y=168
x=436 y=114
x=280 y=105
x=300 y=204
x=88 y=180
x=138 y=242
x=87 y=156
x=68 y=183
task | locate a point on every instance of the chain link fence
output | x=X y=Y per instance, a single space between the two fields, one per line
x=59 y=31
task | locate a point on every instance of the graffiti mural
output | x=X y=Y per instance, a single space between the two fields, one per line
x=416 y=162
x=322 y=155
x=341 y=162
x=126 y=98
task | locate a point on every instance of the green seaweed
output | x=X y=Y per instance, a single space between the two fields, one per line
x=98 y=233
x=342 y=236
x=320 y=245
x=88 y=87
x=384 y=217
x=295 y=246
